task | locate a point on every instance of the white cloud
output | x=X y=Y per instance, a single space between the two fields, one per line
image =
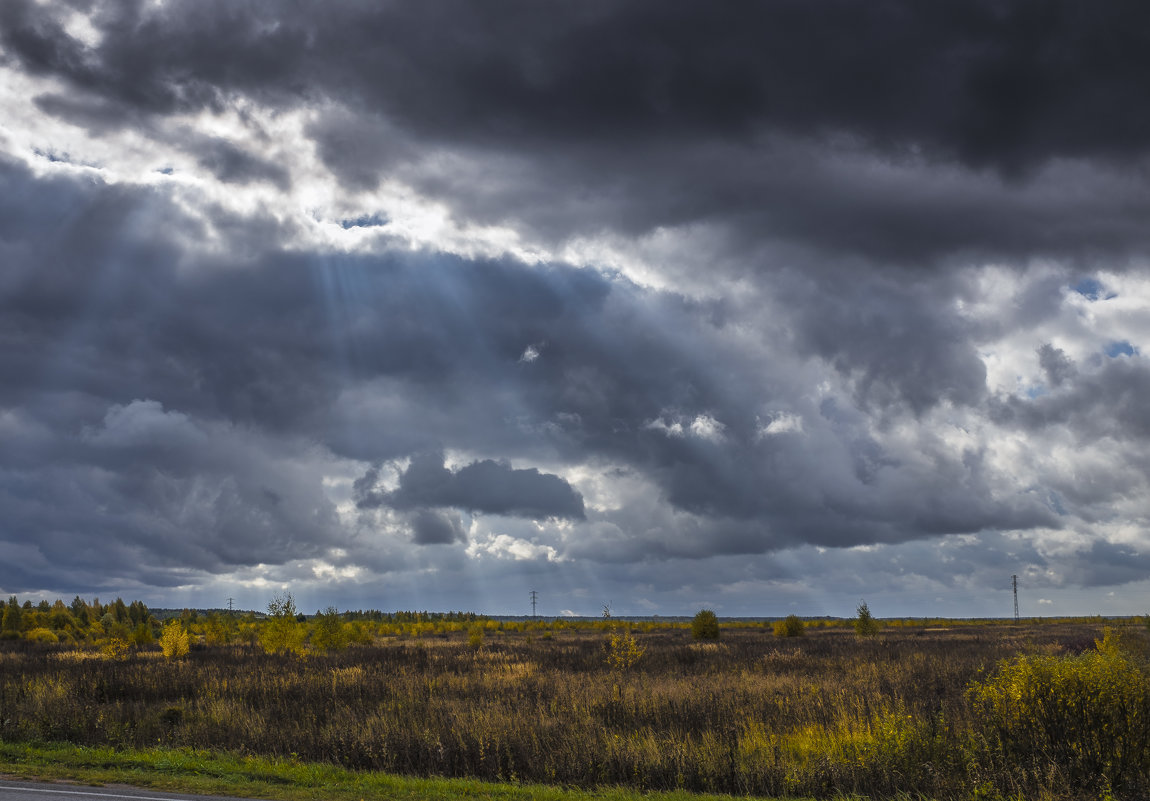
x=706 y=427
x=781 y=423
x=670 y=428
x=504 y=546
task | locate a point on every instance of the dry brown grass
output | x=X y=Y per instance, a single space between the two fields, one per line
x=821 y=714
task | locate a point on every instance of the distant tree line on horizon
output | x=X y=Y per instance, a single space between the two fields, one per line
x=119 y=628
x=76 y=622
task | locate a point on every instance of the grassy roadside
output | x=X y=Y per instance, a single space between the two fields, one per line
x=209 y=773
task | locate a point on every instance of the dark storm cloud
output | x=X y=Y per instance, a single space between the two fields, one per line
x=1108 y=564
x=899 y=341
x=1004 y=85
x=1056 y=365
x=150 y=491
x=810 y=123
x=180 y=382
x=360 y=148
x=430 y=527
x=1108 y=401
x=94 y=114
x=482 y=486
x=1099 y=409
x=232 y=165
x=156 y=368
x=829 y=199
x=94 y=303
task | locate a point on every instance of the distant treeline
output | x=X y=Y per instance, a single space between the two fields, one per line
x=76 y=622
x=376 y=616
x=373 y=615
x=118 y=626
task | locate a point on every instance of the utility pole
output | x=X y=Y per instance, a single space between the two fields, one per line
x=534 y=598
x=1014 y=584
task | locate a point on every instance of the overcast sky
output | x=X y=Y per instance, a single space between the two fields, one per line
x=766 y=308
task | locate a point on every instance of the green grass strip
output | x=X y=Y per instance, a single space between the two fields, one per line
x=212 y=773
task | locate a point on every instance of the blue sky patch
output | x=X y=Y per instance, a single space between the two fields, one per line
x=364 y=221
x=1121 y=348
x=1092 y=289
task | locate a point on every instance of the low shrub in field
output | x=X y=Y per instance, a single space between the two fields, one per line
x=116 y=648
x=1082 y=721
x=41 y=635
x=282 y=633
x=174 y=642
x=329 y=632
x=790 y=626
x=622 y=650
x=705 y=625
x=865 y=624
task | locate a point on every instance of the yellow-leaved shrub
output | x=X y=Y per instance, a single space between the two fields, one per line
x=174 y=642
x=1087 y=714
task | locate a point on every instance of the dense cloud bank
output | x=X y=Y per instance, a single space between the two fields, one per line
x=664 y=304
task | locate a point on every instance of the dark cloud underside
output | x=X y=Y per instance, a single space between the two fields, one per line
x=1006 y=85
x=660 y=113
x=453 y=289
x=483 y=486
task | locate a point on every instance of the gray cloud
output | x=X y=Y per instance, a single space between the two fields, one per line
x=897 y=341
x=1057 y=366
x=995 y=85
x=156 y=495
x=282 y=345
x=436 y=528
x=482 y=486
x=1107 y=402
x=232 y=165
x=769 y=121
x=1108 y=564
x=810 y=256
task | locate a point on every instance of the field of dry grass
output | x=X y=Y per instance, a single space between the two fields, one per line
x=822 y=714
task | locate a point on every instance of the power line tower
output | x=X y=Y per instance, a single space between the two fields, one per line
x=1014 y=585
x=534 y=598
x=231 y=606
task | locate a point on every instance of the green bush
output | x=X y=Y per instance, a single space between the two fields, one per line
x=329 y=633
x=142 y=636
x=1084 y=719
x=282 y=633
x=12 y=621
x=865 y=625
x=790 y=626
x=705 y=626
x=475 y=636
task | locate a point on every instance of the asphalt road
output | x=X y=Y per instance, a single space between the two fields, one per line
x=41 y=791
